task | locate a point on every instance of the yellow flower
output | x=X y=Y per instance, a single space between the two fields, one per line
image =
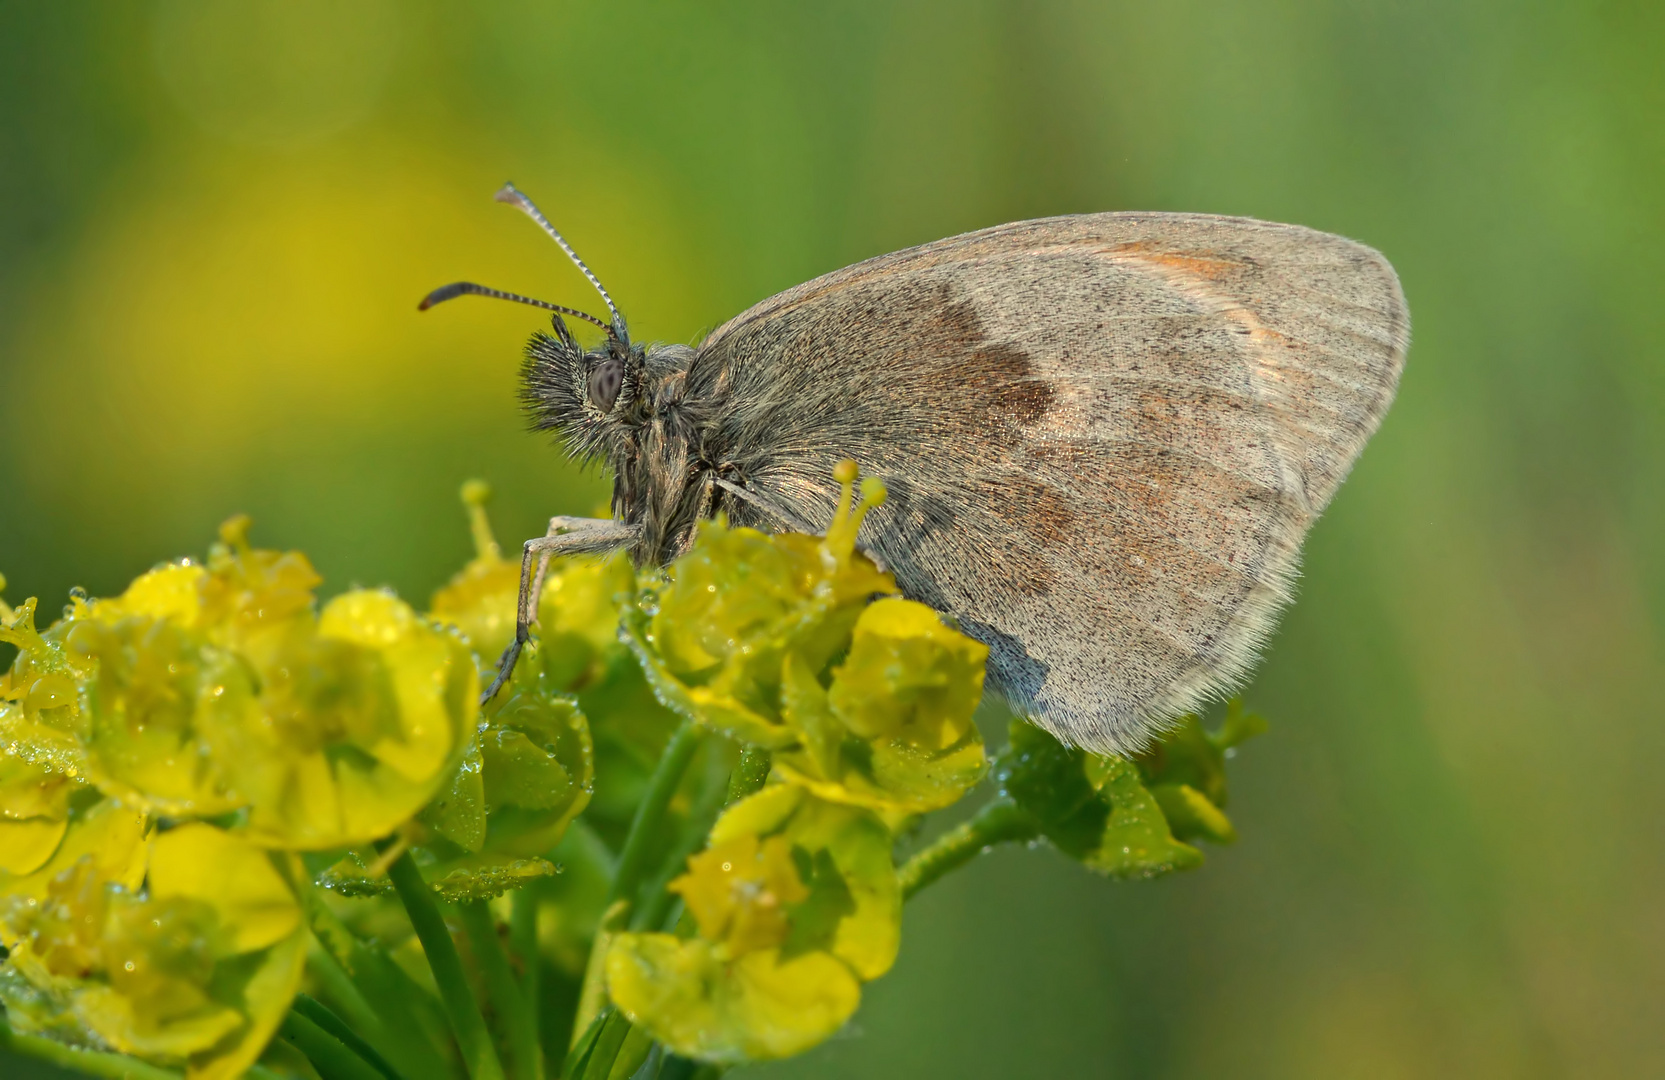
x=739 y=602
x=361 y=724
x=480 y=599
x=894 y=729
x=196 y=970
x=796 y=903
x=702 y=1004
x=110 y=835
x=208 y=689
x=778 y=641
x=41 y=762
x=738 y=892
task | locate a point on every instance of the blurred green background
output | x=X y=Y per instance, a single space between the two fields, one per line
x=216 y=219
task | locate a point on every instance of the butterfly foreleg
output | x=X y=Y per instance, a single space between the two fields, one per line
x=567 y=536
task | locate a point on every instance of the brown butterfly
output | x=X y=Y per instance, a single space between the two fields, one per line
x=1104 y=437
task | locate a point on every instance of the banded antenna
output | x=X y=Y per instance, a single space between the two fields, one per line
x=468 y=288
x=510 y=194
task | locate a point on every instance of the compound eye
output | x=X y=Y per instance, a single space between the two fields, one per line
x=605 y=382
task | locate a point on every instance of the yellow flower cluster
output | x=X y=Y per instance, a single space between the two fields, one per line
x=172 y=757
x=795 y=903
x=799 y=645
x=163 y=752
x=779 y=642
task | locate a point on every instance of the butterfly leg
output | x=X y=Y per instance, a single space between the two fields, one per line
x=568 y=536
x=558 y=525
x=707 y=504
x=791 y=522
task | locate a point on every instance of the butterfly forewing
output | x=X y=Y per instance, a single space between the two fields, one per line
x=1104 y=437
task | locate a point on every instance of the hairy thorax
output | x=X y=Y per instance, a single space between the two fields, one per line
x=663 y=479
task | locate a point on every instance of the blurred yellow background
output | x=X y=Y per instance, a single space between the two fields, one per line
x=216 y=220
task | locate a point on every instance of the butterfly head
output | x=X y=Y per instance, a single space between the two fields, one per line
x=593 y=397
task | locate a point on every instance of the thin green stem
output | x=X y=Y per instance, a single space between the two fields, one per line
x=479 y=1055
x=389 y=1005
x=90 y=1062
x=583 y=1045
x=314 y=1010
x=598 y=1064
x=333 y=1059
x=523 y=939
x=520 y=1030
x=644 y=827
x=633 y=864
x=335 y=984
x=1001 y=821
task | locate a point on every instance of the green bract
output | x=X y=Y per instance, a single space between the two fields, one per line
x=795 y=901
x=1091 y=808
x=1124 y=818
x=528 y=772
x=1186 y=772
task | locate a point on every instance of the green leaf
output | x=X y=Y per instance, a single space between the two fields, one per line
x=481 y=877
x=1049 y=780
x=1136 y=842
x=1093 y=808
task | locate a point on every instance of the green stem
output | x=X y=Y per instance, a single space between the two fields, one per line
x=523 y=938
x=519 y=1028
x=89 y=1062
x=479 y=1055
x=328 y=1054
x=383 y=999
x=314 y=1010
x=605 y=1050
x=633 y=863
x=644 y=827
x=1001 y=821
x=654 y=900
x=334 y=983
x=583 y=1045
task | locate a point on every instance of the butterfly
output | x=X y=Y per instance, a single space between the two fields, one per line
x=1104 y=437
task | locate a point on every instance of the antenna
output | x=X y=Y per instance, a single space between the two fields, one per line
x=510 y=194
x=468 y=288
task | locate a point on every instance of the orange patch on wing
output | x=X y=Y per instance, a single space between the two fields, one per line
x=1203 y=266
